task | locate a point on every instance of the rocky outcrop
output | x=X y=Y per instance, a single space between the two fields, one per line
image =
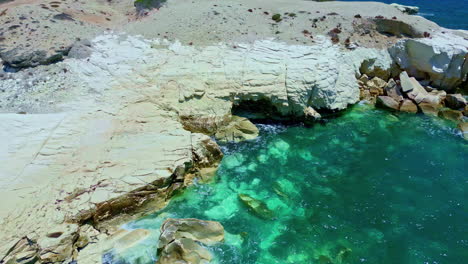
x=125 y=121
x=441 y=59
x=411 y=10
x=397 y=28
x=181 y=239
x=387 y=102
x=238 y=129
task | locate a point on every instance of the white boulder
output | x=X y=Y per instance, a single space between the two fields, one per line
x=410 y=10
x=442 y=58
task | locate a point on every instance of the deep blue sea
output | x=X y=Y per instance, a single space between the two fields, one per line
x=447 y=13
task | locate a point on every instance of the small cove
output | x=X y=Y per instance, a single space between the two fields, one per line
x=366 y=187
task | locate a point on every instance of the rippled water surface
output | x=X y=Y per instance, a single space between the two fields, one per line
x=367 y=187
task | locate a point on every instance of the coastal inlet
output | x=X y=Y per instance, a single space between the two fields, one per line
x=368 y=187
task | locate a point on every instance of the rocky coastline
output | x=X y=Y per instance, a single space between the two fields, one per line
x=106 y=124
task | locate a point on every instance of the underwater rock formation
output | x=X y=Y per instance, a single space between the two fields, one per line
x=258 y=207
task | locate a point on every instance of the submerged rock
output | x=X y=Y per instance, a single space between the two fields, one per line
x=258 y=207
x=451 y=114
x=463 y=127
x=180 y=240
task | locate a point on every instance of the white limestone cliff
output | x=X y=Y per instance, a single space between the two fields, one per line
x=442 y=57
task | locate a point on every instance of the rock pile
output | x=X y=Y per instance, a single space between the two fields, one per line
x=406 y=94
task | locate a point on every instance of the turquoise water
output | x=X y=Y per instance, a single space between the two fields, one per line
x=367 y=187
x=447 y=13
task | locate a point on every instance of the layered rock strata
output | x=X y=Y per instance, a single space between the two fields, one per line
x=125 y=121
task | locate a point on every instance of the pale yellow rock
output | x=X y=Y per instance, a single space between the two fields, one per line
x=180 y=238
x=238 y=129
x=463 y=127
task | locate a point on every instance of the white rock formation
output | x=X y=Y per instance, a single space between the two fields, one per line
x=118 y=135
x=411 y=10
x=442 y=57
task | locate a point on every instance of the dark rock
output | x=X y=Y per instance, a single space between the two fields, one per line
x=455 y=101
x=63 y=16
x=396 y=28
x=387 y=102
x=180 y=240
x=258 y=207
x=80 y=50
x=21 y=58
x=393 y=90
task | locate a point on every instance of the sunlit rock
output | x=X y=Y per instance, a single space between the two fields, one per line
x=180 y=238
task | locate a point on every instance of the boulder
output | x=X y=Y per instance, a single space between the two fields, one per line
x=413 y=89
x=455 y=101
x=435 y=97
x=407 y=83
x=184 y=250
x=387 y=102
x=80 y=50
x=258 y=207
x=377 y=82
x=238 y=129
x=418 y=94
x=451 y=114
x=363 y=79
x=393 y=90
x=463 y=127
x=181 y=239
x=408 y=106
x=376 y=86
x=429 y=109
x=410 y=10
x=311 y=113
x=439 y=59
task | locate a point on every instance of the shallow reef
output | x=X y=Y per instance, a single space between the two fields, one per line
x=367 y=187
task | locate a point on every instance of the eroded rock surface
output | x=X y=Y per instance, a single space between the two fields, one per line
x=124 y=121
x=441 y=57
x=181 y=241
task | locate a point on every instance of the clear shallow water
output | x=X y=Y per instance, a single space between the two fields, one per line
x=447 y=13
x=367 y=187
